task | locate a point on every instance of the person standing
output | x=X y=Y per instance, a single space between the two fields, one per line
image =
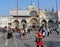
x=4 y=33
x=18 y=34
x=48 y=31
x=9 y=34
x=43 y=31
x=40 y=36
x=22 y=33
x=57 y=31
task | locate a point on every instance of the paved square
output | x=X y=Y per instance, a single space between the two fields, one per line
x=52 y=41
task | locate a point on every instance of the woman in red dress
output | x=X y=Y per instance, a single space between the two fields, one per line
x=40 y=35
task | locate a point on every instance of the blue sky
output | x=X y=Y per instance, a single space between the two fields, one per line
x=6 y=5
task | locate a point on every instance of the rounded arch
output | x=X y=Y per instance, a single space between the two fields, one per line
x=50 y=23
x=24 y=23
x=44 y=23
x=34 y=22
x=16 y=23
x=33 y=13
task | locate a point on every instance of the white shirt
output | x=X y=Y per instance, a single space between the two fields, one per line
x=22 y=31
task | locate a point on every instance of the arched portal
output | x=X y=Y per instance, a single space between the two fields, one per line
x=24 y=23
x=44 y=23
x=16 y=23
x=34 y=22
x=50 y=23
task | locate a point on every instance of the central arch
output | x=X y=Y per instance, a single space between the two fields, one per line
x=24 y=23
x=34 y=22
x=44 y=23
x=50 y=23
x=16 y=23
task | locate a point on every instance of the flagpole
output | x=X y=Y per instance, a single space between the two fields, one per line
x=17 y=14
x=38 y=8
x=56 y=6
x=57 y=12
x=39 y=11
x=17 y=8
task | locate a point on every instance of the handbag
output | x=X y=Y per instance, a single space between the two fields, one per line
x=37 y=39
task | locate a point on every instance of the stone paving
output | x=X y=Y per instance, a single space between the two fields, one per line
x=52 y=41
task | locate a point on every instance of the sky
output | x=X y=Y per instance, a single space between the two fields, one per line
x=7 y=5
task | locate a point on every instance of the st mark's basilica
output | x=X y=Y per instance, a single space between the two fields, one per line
x=29 y=17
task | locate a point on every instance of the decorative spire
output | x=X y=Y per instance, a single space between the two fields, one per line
x=12 y=8
x=31 y=2
x=46 y=9
x=52 y=9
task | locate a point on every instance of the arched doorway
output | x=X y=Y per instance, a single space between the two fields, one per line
x=50 y=23
x=34 y=22
x=9 y=25
x=44 y=23
x=16 y=23
x=24 y=23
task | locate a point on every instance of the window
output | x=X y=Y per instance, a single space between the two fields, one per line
x=33 y=13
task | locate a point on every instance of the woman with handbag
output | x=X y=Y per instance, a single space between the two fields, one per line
x=40 y=36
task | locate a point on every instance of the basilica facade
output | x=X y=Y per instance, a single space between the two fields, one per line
x=29 y=17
